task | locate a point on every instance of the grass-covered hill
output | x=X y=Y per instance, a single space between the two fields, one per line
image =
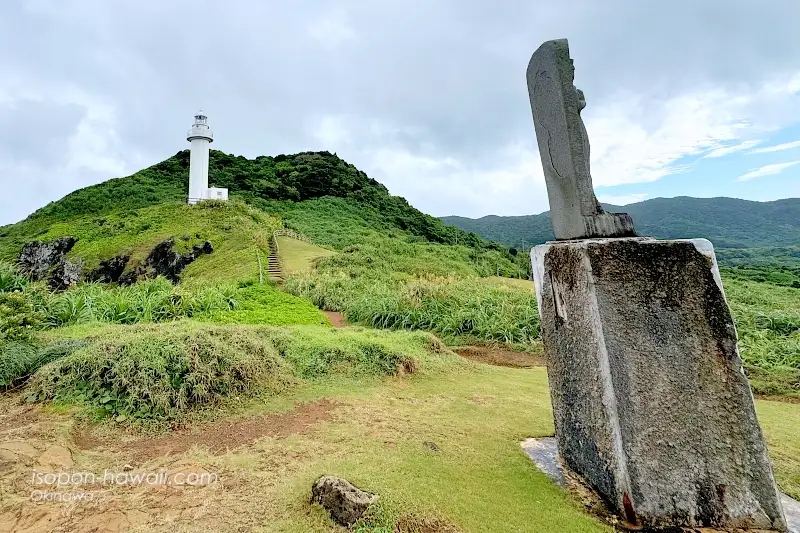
x=261 y=182
x=768 y=229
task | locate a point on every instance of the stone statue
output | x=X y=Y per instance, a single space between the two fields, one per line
x=564 y=148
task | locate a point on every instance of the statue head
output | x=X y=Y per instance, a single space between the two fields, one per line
x=581 y=99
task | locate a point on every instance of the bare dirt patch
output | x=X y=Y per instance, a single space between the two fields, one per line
x=500 y=356
x=220 y=437
x=336 y=318
x=18 y=416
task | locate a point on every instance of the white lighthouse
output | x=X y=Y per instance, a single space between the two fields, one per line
x=200 y=136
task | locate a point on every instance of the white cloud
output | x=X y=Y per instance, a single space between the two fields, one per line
x=766 y=170
x=731 y=149
x=448 y=185
x=331 y=28
x=332 y=132
x=635 y=139
x=623 y=199
x=776 y=148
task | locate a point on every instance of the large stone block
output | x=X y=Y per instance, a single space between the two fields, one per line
x=651 y=405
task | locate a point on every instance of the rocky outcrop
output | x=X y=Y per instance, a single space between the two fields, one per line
x=66 y=274
x=110 y=270
x=345 y=502
x=37 y=258
x=165 y=261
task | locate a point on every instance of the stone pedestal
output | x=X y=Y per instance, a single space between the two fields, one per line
x=651 y=405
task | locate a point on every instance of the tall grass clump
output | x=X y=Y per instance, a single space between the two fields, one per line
x=152 y=372
x=162 y=372
x=768 y=323
x=145 y=302
x=458 y=309
x=10 y=279
x=19 y=360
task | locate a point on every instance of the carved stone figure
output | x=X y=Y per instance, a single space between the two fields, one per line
x=564 y=148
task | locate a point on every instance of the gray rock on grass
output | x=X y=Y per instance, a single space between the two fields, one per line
x=345 y=502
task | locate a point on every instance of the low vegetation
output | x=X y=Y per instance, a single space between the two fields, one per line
x=768 y=324
x=389 y=283
x=162 y=372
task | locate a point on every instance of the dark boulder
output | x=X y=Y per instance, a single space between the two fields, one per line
x=345 y=502
x=66 y=274
x=165 y=261
x=109 y=270
x=37 y=258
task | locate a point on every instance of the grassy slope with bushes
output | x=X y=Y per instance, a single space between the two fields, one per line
x=162 y=372
x=158 y=354
x=237 y=231
x=394 y=267
x=263 y=182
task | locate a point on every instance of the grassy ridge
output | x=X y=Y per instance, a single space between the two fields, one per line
x=236 y=230
x=161 y=372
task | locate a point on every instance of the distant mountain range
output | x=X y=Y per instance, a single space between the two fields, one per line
x=726 y=222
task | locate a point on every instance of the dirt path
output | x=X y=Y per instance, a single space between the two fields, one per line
x=500 y=356
x=218 y=437
x=336 y=318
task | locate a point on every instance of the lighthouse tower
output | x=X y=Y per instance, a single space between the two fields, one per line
x=200 y=136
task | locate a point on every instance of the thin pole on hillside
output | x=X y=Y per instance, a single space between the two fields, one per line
x=260 y=269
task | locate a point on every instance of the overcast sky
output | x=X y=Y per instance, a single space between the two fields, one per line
x=685 y=97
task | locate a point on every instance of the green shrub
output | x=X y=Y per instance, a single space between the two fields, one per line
x=153 y=372
x=316 y=352
x=17 y=359
x=18 y=317
x=10 y=279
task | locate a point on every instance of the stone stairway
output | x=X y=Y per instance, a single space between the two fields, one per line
x=274 y=265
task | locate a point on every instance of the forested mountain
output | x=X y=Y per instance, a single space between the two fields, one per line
x=727 y=222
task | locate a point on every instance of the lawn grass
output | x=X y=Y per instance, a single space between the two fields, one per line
x=479 y=481
x=267 y=305
x=298 y=256
x=781 y=424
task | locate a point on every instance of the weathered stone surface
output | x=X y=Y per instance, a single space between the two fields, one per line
x=37 y=258
x=66 y=274
x=651 y=404
x=345 y=502
x=544 y=452
x=564 y=148
x=109 y=270
x=165 y=261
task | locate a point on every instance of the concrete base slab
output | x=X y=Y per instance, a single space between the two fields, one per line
x=544 y=453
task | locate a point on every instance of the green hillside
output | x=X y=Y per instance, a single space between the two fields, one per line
x=729 y=223
x=261 y=182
